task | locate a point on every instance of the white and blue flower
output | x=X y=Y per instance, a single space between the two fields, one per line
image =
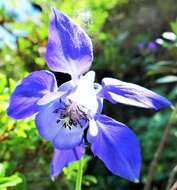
x=63 y=114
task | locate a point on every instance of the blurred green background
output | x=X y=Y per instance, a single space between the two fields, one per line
x=134 y=41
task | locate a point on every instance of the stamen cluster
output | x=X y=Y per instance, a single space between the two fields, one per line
x=71 y=115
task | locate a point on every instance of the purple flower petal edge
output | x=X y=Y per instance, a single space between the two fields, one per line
x=62 y=158
x=23 y=101
x=69 y=48
x=118 y=147
x=131 y=94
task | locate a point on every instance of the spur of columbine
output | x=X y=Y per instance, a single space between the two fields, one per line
x=63 y=115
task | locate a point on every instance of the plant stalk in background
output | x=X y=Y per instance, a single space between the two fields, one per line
x=160 y=147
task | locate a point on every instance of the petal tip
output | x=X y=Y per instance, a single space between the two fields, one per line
x=55 y=12
x=52 y=178
x=161 y=103
x=69 y=47
x=172 y=107
x=136 y=181
x=14 y=114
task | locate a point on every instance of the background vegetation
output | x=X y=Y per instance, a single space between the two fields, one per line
x=130 y=44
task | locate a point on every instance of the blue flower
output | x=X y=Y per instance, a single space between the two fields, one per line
x=141 y=45
x=152 y=45
x=64 y=114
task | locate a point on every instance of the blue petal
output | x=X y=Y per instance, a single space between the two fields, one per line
x=63 y=90
x=62 y=158
x=98 y=89
x=49 y=127
x=69 y=49
x=23 y=101
x=128 y=93
x=66 y=88
x=46 y=120
x=118 y=147
x=68 y=138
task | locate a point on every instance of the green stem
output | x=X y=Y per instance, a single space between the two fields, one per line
x=79 y=175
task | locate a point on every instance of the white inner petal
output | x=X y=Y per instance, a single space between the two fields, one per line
x=93 y=129
x=50 y=96
x=85 y=93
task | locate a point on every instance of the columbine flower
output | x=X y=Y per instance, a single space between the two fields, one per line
x=64 y=114
x=141 y=45
x=152 y=45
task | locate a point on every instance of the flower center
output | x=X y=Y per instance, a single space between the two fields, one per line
x=71 y=115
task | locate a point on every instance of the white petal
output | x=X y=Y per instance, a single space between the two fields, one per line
x=49 y=97
x=169 y=36
x=85 y=93
x=93 y=129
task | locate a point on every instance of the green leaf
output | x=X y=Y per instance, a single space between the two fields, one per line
x=3 y=168
x=12 y=84
x=23 y=184
x=3 y=82
x=11 y=181
x=89 y=180
x=174 y=26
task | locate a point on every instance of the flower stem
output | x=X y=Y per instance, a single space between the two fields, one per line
x=79 y=175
